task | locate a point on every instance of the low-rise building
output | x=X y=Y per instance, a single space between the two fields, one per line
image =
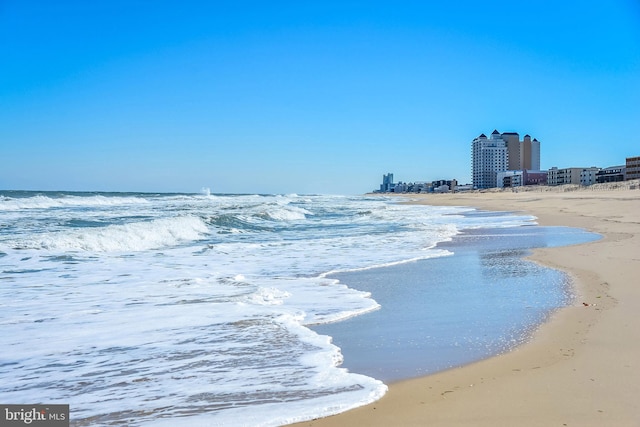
x=552 y=176
x=464 y=187
x=569 y=176
x=588 y=175
x=535 y=177
x=519 y=178
x=509 y=178
x=419 y=187
x=400 y=187
x=512 y=181
x=611 y=174
x=563 y=176
x=451 y=185
x=633 y=168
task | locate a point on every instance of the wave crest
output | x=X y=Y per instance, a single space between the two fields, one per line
x=138 y=236
x=45 y=202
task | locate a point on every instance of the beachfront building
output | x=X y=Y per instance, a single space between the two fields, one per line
x=502 y=152
x=552 y=176
x=534 y=156
x=443 y=185
x=569 y=176
x=507 y=179
x=514 y=150
x=564 y=176
x=611 y=174
x=633 y=168
x=535 y=177
x=463 y=187
x=588 y=175
x=401 y=187
x=523 y=154
x=440 y=186
x=488 y=157
x=420 y=187
x=387 y=183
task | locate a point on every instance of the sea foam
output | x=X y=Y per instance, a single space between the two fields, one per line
x=155 y=309
x=136 y=236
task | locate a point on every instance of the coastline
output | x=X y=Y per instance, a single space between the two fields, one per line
x=580 y=368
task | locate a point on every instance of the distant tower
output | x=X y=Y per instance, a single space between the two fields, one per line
x=514 y=149
x=535 y=155
x=525 y=158
x=499 y=153
x=488 y=157
x=387 y=183
x=530 y=157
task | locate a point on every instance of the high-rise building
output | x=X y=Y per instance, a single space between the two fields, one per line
x=523 y=155
x=514 y=149
x=502 y=152
x=534 y=160
x=488 y=157
x=387 y=183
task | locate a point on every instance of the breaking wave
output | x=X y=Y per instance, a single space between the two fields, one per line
x=137 y=236
x=45 y=202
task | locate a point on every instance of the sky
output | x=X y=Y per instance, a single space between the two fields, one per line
x=306 y=96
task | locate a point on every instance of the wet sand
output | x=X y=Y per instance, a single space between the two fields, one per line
x=582 y=368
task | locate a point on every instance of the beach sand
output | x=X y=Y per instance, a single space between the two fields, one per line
x=582 y=368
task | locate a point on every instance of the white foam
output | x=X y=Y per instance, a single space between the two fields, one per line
x=281 y=212
x=153 y=310
x=268 y=296
x=138 y=236
x=45 y=202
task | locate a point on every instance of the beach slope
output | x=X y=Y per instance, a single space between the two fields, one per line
x=582 y=368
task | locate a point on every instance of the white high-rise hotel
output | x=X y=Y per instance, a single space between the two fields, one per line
x=499 y=153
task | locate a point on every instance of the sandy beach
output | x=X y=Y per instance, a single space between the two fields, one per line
x=582 y=368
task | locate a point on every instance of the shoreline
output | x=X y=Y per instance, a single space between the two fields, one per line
x=580 y=368
x=486 y=267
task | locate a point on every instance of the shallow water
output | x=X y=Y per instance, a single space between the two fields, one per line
x=445 y=312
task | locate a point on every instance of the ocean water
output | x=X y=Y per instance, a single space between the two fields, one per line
x=180 y=309
x=443 y=312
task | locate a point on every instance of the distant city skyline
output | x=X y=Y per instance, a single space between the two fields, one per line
x=305 y=97
x=504 y=160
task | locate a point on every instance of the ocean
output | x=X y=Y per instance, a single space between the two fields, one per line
x=144 y=309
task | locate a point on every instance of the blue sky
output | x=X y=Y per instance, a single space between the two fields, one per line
x=306 y=97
